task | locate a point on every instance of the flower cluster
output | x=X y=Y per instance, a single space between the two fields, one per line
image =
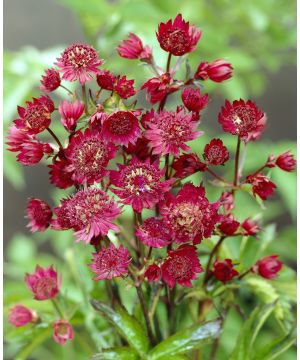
x=116 y=156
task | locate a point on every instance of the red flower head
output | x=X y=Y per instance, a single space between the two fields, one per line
x=31 y=149
x=268 y=267
x=153 y=273
x=189 y=214
x=132 y=48
x=43 y=283
x=227 y=202
x=187 y=164
x=124 y=88
x=250 y=227
x=89 y=155
x=228 y=225
x=224 y=271
x=218 y=71
x=139 y=184
x=20 y=315
x=181 y=266
x=89 y=212
x=215 y=153
x=79 y=62
x=36 y=116
x=39 y=214
x=241 y=118
x=106 y=80
x=59 y=174
x=140 y=149
x=110 y=262
x=169 y=132
x=261 y=185
x=50 y=81
x=193 y=100
x=62 y=331
x=154 y=232
x=121 y=128
x=286 y=161
x=158 y=87
x=178 y=37
x=70 y=113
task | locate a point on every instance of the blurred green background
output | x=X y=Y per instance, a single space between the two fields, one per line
x=258 y=37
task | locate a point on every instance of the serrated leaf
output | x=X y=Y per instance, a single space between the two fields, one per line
x=127 y=325
x=117 y=353
x=249 y=332
x=187 y=340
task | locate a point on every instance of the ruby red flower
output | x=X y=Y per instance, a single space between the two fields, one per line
x=106 y=80
x=187 y=164
x=121 y=128
x=89 y=213
x=36 y=116
x=39 y=215
x=241 y=118
x=189 y=214
x=193 y=100
x=169 y=132
x=51 y=80
x=228 y=225
x=153 y=273
x=20 y=315
x=139 y=149
x=154 y=232
x=139 y=184
x=181 y=266
x=261 y=185
x=59 y=174
x=268 y=267
x=31 y=149
x=218 y=70
x=286 y=161
x=62 y=331
x=132 y=48
x=178 y=37
x=88 y=154
x=110 y=262
x=215 y=153
x=227 y=201
x=79 y=62
x=124 y=88
x=70 y=113
x=158 y=87
x=224 y=271
x=250 y=227
x=43 y=283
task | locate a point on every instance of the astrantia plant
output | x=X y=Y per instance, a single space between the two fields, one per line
x=118 y=157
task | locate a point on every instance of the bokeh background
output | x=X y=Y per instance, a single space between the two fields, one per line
x=258 y=37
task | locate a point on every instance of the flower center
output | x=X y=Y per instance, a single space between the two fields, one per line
x=37 y=117
x=120 y=123
x=139 y=180
x=244 y=119
x=180 y=267
x=176 y=41
x=79 y=56
x=89 y=156
x=45 y=286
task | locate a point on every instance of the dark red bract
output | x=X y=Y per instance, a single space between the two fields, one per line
x=224 y=271
x=215 y=153
x=268 y=267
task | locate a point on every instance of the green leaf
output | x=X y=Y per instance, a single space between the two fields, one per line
x=187 y=340
x=117 y=353
x=249 y=332
x=36 y=342
x=276 y=347
x=127 y=325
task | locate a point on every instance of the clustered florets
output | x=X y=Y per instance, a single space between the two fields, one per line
x=156 y=160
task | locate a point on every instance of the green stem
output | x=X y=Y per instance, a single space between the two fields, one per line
x=214 y=250
x=236 y=164
x=65 y=88
x=57 y=308
x=55 y=138
x=84 y=99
